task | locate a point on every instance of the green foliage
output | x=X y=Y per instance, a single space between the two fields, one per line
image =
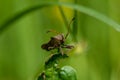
x=79 y=8
x=22 y=27
x=68 y=73
x=55 y=73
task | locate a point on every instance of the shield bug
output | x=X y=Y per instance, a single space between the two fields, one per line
x=57 y=42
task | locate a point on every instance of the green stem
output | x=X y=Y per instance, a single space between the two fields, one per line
x=79 y=8
x=19 y=15
x=75 y=24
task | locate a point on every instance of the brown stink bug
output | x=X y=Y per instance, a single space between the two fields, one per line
x=57 y=42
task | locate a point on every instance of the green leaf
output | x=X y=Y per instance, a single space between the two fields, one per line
x=79 y=8
x=68 y=73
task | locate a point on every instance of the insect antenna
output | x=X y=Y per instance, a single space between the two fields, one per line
x=53 y=31
x=69 y=27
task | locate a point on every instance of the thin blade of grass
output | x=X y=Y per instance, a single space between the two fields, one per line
x=79 y=8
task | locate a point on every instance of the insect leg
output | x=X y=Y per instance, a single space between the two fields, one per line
x=42 y=76
x=61 y=51
x=68 y=46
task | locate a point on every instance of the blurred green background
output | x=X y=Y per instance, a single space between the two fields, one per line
x=95 y=57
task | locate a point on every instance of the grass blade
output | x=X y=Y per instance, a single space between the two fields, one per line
x=79 y=8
